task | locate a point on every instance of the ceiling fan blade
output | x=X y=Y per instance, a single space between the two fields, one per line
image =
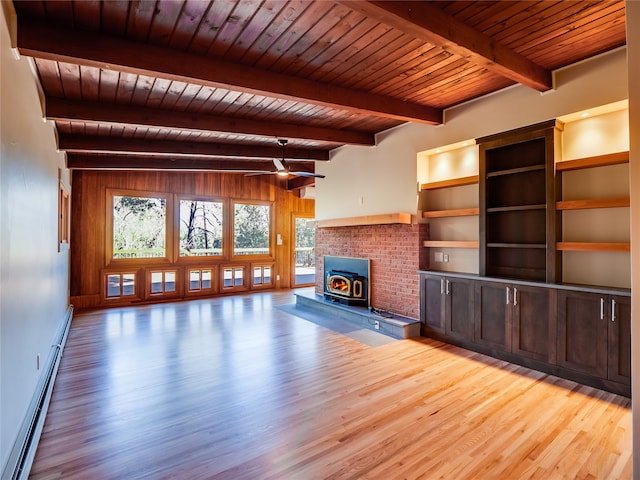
x=253 y=174
x=278 y=164
x=307 y=174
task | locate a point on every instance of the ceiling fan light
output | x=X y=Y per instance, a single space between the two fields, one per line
x=283 y=173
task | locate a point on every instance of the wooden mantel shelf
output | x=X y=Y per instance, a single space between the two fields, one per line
x=383 y=219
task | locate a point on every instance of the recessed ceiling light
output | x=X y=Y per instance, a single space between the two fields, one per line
x=584 y=114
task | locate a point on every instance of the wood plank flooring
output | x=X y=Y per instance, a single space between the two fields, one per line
x=234 y=388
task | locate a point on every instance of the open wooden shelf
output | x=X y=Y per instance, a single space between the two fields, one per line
x=454 y=182
x=513 y=171
x=383 y=219
x=612 y=202
x=459 y=212
x=597 y=161
x=451 y=243
x=516 y=208
x=594 y=246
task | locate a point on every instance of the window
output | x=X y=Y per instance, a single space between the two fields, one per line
x=232 y=277
x=262 y=276
x=200 y=280
x=162 y=282
x=139 y=227
x=304 y=252
x=119 y=285
x=251 y=229
x=63 y=218
x=200 y=228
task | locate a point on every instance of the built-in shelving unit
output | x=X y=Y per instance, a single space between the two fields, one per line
x=454 y=182
x=592 y=203
x=517 y=204
x=448 y=203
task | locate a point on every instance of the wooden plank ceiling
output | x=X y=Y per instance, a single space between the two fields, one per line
x=193 y=84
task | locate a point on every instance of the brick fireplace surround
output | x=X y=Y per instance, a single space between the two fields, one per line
x=395 y=253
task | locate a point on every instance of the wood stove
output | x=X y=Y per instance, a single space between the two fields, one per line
x=346 y=284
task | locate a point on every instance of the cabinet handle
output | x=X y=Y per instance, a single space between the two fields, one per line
x=613 y=310
x=515 y=297
x=508 y=295
x=448 y=284
x=441 y=286
x=601 y=308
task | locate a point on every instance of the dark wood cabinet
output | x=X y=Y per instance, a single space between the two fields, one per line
x=575 y=332
x=517 y=318
x=533 y=322
x=594 y=334
x=492 y=316
x=447 y=306
x=459 y=307
x=432 y=304
x=619 y=339
x=518 y=189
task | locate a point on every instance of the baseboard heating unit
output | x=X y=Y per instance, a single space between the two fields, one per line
x=24 y=448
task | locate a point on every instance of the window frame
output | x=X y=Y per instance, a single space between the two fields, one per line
x=232 y=231
x=176 y=230
x=64 y=215
x=178 y=282
x=168 y=241
x=212 y=290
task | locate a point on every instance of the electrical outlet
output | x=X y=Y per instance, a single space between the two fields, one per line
x=277 y=277
x=376 y=325
x=445 y=258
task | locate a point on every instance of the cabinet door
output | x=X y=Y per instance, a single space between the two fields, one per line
x=459 y=308
x=432 y=304
x=492 y=315
x=619 y=365
x=534 y=322
x=582 y=332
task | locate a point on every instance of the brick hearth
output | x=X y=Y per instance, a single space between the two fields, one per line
x=396 y=256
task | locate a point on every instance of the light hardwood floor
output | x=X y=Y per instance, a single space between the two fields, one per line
x=234 y=388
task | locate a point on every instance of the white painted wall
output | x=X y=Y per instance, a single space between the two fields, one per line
x=383 y=179
x=33 y=274
x=633 y=42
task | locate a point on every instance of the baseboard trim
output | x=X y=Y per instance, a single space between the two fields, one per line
x=24 y=448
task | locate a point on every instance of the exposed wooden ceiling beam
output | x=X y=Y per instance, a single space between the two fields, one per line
x=103 y=144
x=112 y=53
x=132 y=162
x=431 y=24
x=65 y=110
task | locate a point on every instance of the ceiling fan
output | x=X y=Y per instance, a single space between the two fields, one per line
x=282 y=170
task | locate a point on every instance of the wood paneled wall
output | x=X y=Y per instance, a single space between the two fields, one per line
x=89 y=217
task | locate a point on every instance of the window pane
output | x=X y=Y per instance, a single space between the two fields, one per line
x=206 y=279
x=267 y=275
x=257 y=275
x=128 y=284
x=251 y=227
x=305 y=271
x=139 y=227
x=227 y=277
x=169 y=281
x=194 y=280
x=238 y=277
x=113 y=285
x=156 y=282
x=200 y=228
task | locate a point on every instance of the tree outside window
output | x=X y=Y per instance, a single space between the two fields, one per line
x=251 y=229
x=139 y=227
x=200 y=228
